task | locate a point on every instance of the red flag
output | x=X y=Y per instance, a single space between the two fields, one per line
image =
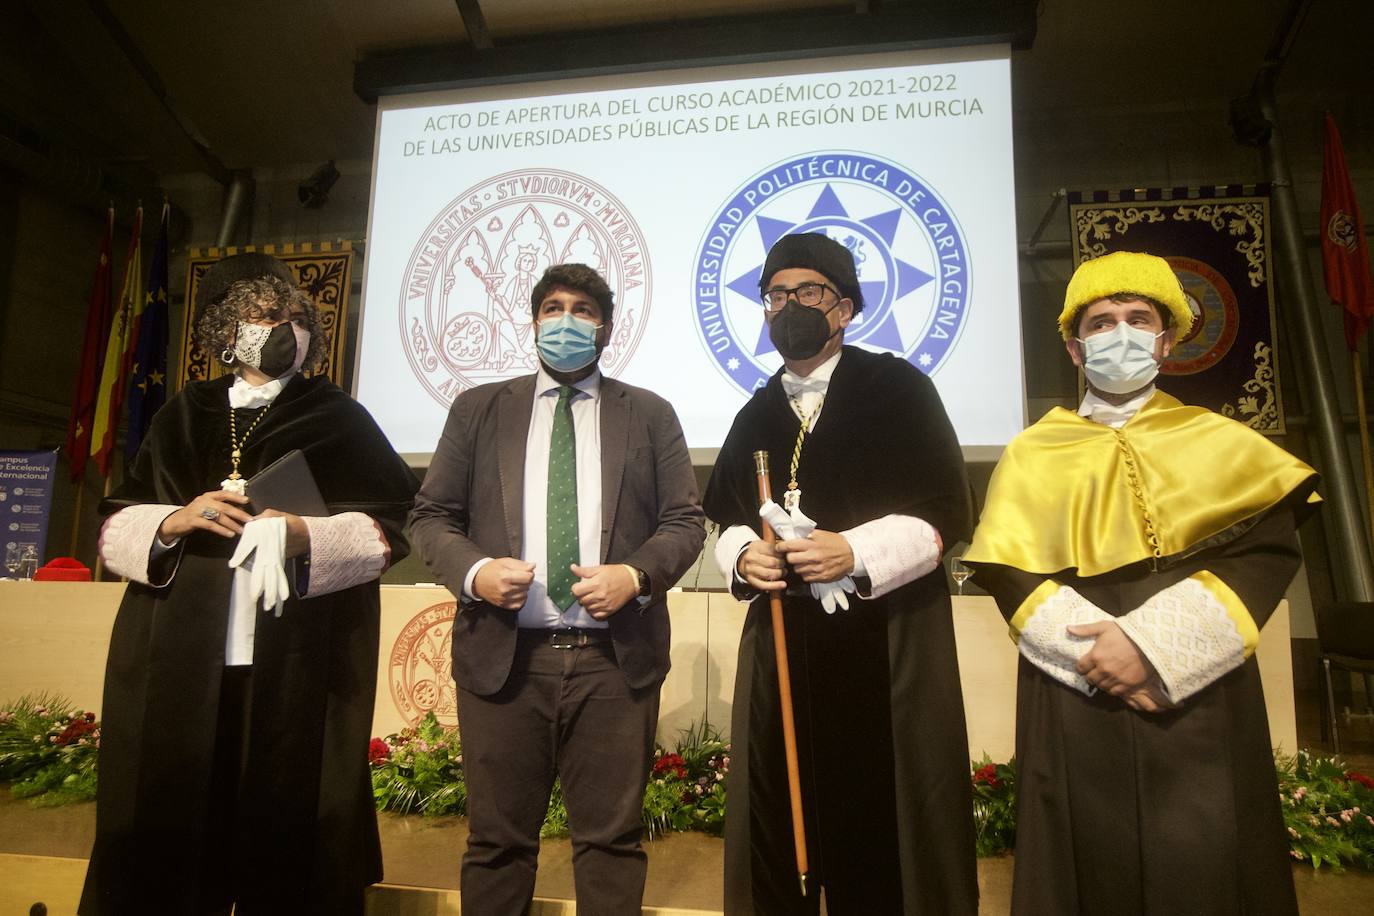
x=98 y=314
x=1345 y=259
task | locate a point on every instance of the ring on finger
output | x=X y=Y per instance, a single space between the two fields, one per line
x=209 y=513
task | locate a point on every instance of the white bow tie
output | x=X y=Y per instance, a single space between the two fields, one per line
x=795 y=384
x=1111 y=414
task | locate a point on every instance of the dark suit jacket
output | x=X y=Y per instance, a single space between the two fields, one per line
x=471 y=506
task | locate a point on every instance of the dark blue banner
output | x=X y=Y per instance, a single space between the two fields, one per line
x=1216 y=239
x=26 y=482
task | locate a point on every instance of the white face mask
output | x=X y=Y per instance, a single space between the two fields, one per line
x=1121 y=360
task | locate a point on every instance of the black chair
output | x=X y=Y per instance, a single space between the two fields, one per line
x=1345 y=635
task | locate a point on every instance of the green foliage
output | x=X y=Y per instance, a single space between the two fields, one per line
x=994 y=806
x=1327 y=811
x=419 y=770
x=48 y=750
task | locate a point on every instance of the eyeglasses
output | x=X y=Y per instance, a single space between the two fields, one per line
x=808 y=294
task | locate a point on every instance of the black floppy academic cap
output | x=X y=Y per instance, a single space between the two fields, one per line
x=818 y=252
x=221 y=275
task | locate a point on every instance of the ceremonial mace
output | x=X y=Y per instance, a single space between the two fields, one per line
x=789 y=727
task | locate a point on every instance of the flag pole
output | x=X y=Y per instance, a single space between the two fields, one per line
x=1364 y=432
x=789 y=726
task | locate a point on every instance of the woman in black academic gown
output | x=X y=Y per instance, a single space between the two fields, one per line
x=238 y=701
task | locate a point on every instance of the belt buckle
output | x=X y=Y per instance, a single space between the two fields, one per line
x=567 y=639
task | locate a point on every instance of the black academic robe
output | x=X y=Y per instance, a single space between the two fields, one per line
x=1124 y=812
x=305 y=836
x=1139 y=814
x=880 y=719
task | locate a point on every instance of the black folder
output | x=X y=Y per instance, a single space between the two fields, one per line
x=287 y=486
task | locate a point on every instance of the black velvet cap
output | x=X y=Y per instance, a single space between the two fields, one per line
x=221 y=275
x=818 y=252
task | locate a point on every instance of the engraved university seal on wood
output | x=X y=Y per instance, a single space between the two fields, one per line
x=420 y=669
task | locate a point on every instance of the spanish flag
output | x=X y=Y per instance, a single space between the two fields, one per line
x=114 y=377
x=92 y=342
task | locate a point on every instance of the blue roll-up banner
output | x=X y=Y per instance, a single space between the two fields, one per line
x=26 y=482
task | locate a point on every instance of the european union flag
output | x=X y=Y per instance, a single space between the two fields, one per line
x=148 y=379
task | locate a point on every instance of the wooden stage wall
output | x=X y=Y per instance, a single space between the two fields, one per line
x=53 y=637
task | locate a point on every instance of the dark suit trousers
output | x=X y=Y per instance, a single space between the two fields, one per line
x=565 y=713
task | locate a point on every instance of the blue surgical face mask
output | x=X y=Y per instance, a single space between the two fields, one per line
x=567 y=343
x=1121 y=360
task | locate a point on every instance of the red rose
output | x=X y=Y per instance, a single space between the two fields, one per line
x=1362 y=779
x=671 y=762
x=378 y=752
x=987 y=775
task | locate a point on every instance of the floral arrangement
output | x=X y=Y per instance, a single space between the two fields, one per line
x=48 y=750
x=1327 y=810
x=994 y=806
x=420 y=770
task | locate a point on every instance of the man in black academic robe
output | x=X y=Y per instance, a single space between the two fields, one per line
x=302 y=836
x=1137 y=547
x=877 y=702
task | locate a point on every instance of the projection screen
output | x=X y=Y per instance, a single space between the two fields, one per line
x=674 y=185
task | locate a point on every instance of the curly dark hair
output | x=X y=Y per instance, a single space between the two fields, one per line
x=251 y=300
x=577 y=277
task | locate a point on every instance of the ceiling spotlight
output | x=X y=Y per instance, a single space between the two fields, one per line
x=314 y=191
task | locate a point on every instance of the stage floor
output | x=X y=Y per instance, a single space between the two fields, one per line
x=43 y=857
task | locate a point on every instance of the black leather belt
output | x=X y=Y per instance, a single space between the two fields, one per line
x=568 y=637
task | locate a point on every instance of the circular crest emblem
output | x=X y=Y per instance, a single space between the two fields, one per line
x=1340 y=229
x=1216 y=318
x=907 y=244
x=465 y=298
x=420 y=671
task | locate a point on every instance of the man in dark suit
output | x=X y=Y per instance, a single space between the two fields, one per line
x=559 y=508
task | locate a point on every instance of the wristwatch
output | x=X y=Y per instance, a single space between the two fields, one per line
x=643 y=579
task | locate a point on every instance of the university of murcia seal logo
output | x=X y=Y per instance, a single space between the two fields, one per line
x=908 y=246
x=1216 y=318
x=465 y=314
x=1340 y=229
x=420 y=669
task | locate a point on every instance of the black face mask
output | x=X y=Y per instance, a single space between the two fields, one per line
x=275 y=357
x=800 y=332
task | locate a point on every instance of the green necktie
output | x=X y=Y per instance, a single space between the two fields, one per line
x=562 y=548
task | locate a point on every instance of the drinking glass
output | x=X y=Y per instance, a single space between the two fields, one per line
x=12 y=559
x=959 y=572
x=28 y=561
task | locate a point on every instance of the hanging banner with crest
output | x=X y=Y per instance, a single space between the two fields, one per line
x=1217 y=241
x=324 y=271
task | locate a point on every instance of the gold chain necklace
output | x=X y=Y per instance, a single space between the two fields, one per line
x=237 y=444
x=793 y=496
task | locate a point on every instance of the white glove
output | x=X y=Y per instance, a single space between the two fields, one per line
x=259 y=563
x=796 y=525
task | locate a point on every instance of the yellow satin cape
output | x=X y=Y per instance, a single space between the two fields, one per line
x=1073 y=494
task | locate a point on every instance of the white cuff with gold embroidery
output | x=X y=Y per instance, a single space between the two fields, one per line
x=893 y=550
x=345 y=550
x=1040 y=629
x=1193 y=632
x=127 y=539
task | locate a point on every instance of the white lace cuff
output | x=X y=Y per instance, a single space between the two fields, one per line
x=1041 y=625
x=127 y=540
x=345 y=550
x=1189 y=634
x=893 y=550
